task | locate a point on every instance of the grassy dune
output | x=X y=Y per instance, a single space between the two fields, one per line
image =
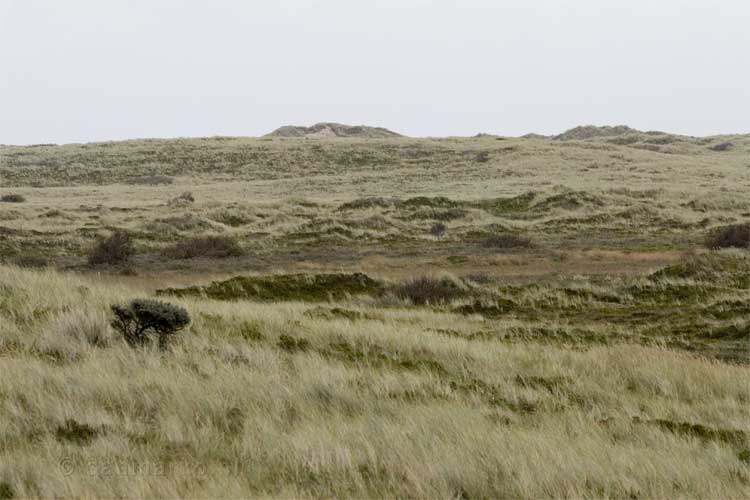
x=578 y=339
x=336 y=201
x=388 y=404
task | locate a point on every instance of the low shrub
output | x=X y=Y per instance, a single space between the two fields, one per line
x=12 y=198
x=733 y=236
x=723 y=146
x=151 y=180
x=216 y=247
x=437 y=230
x=116 y=249
x=72 y=431
x=428 y=290
x=142 y=318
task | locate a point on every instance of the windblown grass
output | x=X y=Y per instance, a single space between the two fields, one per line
x=379 y=404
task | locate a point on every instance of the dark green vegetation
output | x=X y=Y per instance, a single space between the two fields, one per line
x=733 y=236
x=118 y=248
x=214 y=247
x=141 y=318
x=73 y=432
x=303 y=287
x=12 y=198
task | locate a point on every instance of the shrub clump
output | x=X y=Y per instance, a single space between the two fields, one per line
x=733 y=236
x=722 y=146
x=72 y=431
x=437 y=230
x=13 y=198
x=428 y=290
x=116 y=249
x=216 y=247
x=142 y=318
x=151 y=180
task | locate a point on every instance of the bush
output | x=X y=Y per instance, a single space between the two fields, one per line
x=116 y=249
x=144 y=317
x=437 y=230
x=427 y=290
x=13 y=198
x=217 y=247
x=723 y=146
x=507 y=241
x=734 y=236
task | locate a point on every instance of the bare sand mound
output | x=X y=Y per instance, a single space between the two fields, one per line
x=333 y=130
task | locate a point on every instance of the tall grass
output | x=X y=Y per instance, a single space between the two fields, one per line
x=386 y=406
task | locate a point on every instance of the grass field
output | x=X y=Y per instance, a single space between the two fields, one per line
x=574 y=336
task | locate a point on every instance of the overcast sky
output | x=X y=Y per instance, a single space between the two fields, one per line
x=88 y=70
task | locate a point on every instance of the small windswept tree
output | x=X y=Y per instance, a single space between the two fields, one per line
x=141 y=318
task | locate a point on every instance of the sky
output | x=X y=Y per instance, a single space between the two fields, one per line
x=93 y=70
